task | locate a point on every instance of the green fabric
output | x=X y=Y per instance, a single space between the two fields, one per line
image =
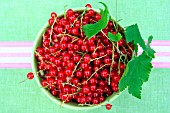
x=22 y=19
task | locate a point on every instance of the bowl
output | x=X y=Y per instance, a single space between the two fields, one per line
x=71 y=105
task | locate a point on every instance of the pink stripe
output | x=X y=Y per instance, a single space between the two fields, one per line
x=15 y=54
x=28 y=65
x=30 y=44
x=16 y=44
x=160 y=43
x=161 y=64
x=15 y=65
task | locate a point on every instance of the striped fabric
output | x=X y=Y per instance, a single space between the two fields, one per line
x=14 y=55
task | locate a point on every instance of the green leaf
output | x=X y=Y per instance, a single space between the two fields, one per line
x=115 y=37
x=91 y=29
x=136 y=73
x=132 y=34
x=149 y=51
x=135 y=47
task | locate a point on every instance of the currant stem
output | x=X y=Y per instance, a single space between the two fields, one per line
x=62 y=102
x=119 y=65
x=63 y=36
x=74 y=40
x=96 y=72
x=65 y=11
x=52 y=30
x=37 y=53
x=22 y=81
x=79 y=52
x=45 y=86
x=71 y=94
x=77 y=65
x=76 y=20
x=56 y=52
x=98 y=58
x=67 y=35
x=110 y=40
x=111 y=64
x=81 y=20
x=71 y=85
x=133 y=53
x=96 y=47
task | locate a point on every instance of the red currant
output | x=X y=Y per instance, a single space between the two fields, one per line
x=108 y=106
x=30 y=75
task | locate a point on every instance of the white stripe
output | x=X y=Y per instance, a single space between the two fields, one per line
x=15 y=49
x=158 y=48
x=161 y=59
x=15 y=60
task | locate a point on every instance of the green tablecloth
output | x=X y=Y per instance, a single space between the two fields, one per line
x=22 y=19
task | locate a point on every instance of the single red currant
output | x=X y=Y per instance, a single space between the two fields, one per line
x=108 y=106
x=30 y=75
x=88 y=5
x=53 y=15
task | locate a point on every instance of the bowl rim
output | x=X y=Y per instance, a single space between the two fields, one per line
x=46 y=92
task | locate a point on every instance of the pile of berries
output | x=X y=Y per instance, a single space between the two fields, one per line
x=78 y=69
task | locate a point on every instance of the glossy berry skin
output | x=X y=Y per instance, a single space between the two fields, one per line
x=80 y=41
x=76 y=58
x=84 y=47
x=53 y=72
x=88 y=5
x=53 y=15
x=93 y=87
x=75 y=81
x=84 y=65
x=51 y=21
x=87 y=72
x=121 y=42
x=70 y=64
x=87 y=58
x=70 y=45
x=30 y=75
x=122 y=66
x=44 y=83
x=104 y=73
x=79 y=74
x=54 y=92
x=63 y=46
x=61 y=74
x=107 y=60
x=95 y=101
x=97 y=62
x=85 y=89
x=68 y=71
x=108 y=106
x=74 y=31
x=94 y=55
x=90 y=12
x=69 y=12
x=97 y=17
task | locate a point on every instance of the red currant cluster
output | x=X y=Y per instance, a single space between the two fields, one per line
x=78 y=69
